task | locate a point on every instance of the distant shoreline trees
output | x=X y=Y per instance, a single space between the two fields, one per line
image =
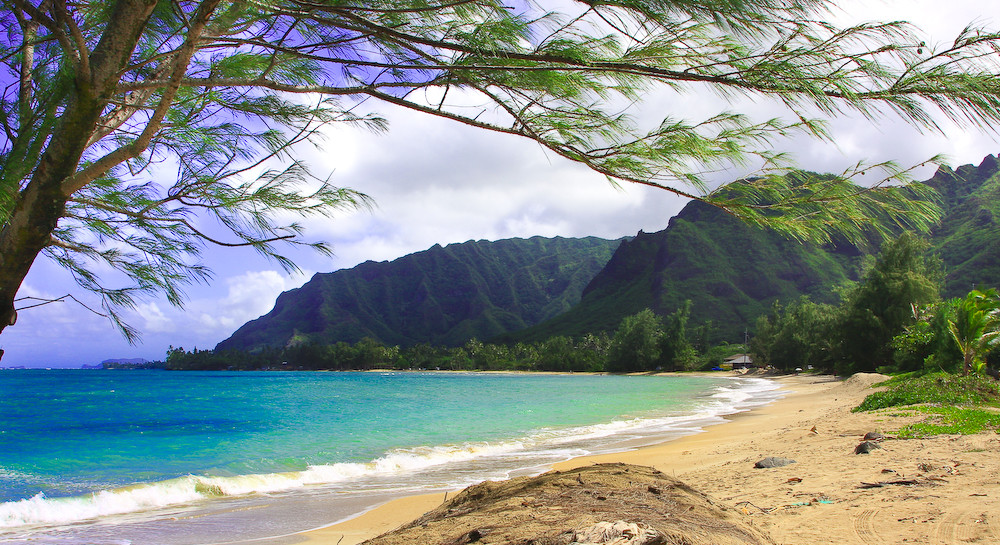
x=640 y=344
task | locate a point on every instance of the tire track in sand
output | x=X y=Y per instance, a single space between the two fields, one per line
x=966 y=526
x=864 y=527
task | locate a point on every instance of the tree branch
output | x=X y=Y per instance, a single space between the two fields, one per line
x=43 y=302
x=83 y=52
x=134 y=149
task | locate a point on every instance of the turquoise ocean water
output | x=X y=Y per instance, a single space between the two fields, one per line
x=176 y=458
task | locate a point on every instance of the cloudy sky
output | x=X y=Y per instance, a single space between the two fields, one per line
x=437 y=182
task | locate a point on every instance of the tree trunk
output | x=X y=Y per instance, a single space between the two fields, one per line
x=39 y=207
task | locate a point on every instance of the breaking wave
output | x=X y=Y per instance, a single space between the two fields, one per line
x=397 y=469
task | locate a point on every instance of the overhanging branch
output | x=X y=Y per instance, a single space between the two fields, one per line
x=40 y=301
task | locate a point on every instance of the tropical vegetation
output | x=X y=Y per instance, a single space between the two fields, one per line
x=976 y=327
x=642 y=343
x=856 y=334
x=943 y=403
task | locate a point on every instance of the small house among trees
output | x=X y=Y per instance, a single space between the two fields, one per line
x=740 y=361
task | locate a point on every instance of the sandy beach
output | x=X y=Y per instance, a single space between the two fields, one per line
x=940 y=490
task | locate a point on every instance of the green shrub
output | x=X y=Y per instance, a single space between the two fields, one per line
x=936 y=388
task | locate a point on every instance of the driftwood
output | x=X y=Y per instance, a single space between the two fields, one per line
x=899 y=482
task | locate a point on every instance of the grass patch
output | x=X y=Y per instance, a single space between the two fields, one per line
x=951 y=420
x=901 y=377
x=934 y=389
x=951 y=404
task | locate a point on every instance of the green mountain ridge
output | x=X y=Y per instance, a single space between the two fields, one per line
x=730 y=272
x=733 y=273
x=530 y=290
x=442 y=296
x=968 y=238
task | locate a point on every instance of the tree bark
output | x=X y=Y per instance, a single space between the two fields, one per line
x=42 y=202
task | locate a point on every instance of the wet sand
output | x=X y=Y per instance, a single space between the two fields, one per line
x=941 y=490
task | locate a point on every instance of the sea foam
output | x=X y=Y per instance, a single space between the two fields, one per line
x=395 y=468
x=40 y=510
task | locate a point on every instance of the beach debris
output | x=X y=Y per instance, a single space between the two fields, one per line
x=874 y=436
x=619 y=532
x=743 y=506
x=794 y=480
x=814 y=430
x=899 y=482
x=866 y=446
x=773 y=461
x=471 y=536
x=814 y=501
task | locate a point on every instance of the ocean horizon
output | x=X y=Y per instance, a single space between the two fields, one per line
x=183 y=458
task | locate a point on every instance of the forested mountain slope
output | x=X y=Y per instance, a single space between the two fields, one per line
x=732 y=273
x=968 y=238
x=533 y=289
x=442 y=296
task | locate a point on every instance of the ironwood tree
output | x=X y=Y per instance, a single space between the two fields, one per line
x=101 y=98
x=902 y=278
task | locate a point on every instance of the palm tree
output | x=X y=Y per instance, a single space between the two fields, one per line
x=976 y=327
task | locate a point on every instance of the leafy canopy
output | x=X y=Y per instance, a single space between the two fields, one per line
x=902 y=278
x=976 y=327
x=129 y=124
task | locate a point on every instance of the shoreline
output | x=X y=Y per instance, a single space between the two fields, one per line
x=939 y=490
x=387 y=516
x=244 y=505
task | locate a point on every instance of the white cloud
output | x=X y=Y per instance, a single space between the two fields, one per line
x=154 y=320
x=249 y=296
